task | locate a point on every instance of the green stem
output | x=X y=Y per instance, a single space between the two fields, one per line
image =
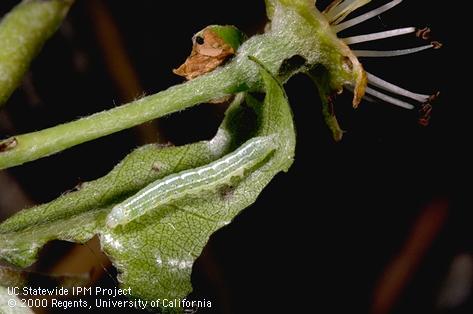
x=22 y=34
x=31 y=146
x=297 y=30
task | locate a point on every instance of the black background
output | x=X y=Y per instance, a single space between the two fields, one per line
x=319 y=236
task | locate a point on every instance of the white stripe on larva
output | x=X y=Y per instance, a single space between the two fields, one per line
x=192 y=181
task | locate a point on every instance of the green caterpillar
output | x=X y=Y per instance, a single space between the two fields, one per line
x=192 y=181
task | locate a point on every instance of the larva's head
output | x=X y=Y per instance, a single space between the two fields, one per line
x=335 y=65
x=211 y=47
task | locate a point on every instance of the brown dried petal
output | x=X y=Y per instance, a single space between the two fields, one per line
x=205 y=57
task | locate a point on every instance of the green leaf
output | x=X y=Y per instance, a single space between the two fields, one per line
x=78 y=215
x=155 y=253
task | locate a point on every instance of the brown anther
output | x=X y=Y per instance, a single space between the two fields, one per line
x=424 y=122
x=425 y=111
x=433 y=97
x=424 y=33
x=436 y=44
x=8 y=144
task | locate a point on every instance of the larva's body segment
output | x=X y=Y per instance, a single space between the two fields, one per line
x=192 y=181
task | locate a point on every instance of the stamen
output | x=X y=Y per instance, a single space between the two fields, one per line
x=365 y=96
x=390 y=53
x=369 y=98
x=436 y=44
x=425 y=111
x=336 y=7
x=388 y=99
x=332 y=5
x=340 y=12
x=377 y=36
x=366 y=16
x=378 y=82
x=424 y=33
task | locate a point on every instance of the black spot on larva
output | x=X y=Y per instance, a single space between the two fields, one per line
x=226 y=192
x=292 y=64
x=8 y=144
x=199 y=40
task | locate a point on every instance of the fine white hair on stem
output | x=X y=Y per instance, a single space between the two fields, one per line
x=377 y=36
x=390 y=53
x=360 y=19
x=378 y=82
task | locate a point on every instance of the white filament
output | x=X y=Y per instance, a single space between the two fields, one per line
x=377 y=36
x=338 y=9
x=369 y=98
x=360 y=19
x=339 y=12
x=389 y=53
x=388 y=99
x=378 y=82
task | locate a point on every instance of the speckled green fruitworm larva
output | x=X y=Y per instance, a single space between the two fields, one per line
x=192 y=181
